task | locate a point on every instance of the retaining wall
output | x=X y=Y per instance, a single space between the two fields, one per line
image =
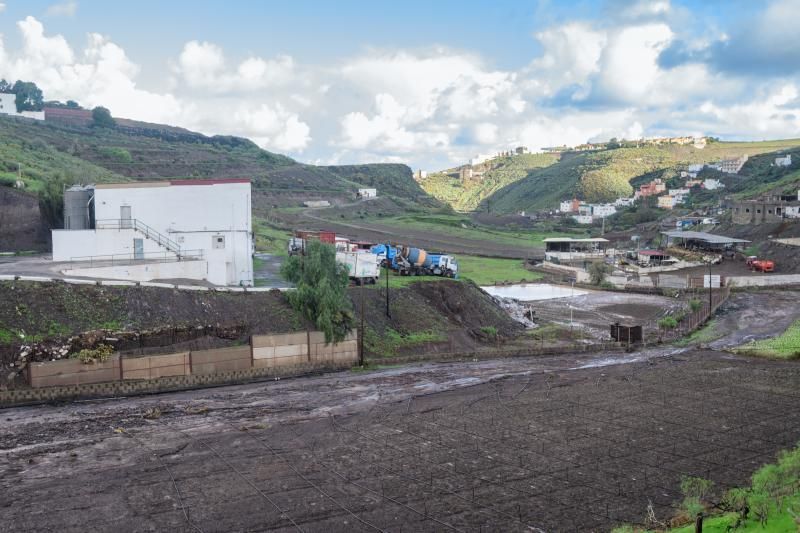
x=766 y=280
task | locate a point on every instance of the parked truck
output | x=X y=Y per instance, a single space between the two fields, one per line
x=363 y=267
x=297 y=244
x=760 y=265
x=410 y=261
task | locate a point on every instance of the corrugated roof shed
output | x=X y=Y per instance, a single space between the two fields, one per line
x=710 y=238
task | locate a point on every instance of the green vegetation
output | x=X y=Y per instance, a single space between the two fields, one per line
x=598 y=271
x=116 y=153
x=94 y=355
x=7 y=336
x=488 y=270
x=466 y=195
x=391 y=341
x=101 y=117
x=604 y=175
x=321 y=293
x=668 y=322
x=785 y=346
x=461 y=226
x=489 y=331
x=269 y=238
x=707 y=333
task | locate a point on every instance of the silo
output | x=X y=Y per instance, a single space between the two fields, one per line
x=76 y=207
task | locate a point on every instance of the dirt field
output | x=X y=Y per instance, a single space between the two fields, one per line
x=594 y=312
x=548 y=444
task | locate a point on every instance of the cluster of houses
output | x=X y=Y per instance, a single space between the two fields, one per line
x=586 y=213
x=697 y=142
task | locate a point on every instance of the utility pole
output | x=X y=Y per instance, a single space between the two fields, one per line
x=363 y=331
x=709 y=288
x=388 y=314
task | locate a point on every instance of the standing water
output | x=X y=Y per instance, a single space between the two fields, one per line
x=529 y=292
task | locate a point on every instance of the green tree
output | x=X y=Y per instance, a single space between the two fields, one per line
x=102 y=117
x=5 y=87
x=598 y=271
x=29 y=96
x=321 y=294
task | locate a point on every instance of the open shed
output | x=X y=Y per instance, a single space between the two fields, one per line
x=700 y=240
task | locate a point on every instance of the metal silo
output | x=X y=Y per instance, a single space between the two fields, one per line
x=76 y=207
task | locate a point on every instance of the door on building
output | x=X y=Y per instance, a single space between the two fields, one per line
x=125 y=221
x=138 y=248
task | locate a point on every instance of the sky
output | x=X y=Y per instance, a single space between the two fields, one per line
x=429 y=84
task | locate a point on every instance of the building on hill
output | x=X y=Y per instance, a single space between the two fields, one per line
x=465 y=173
x=667 y=202
x=420 y=175
x=569 y=206
x=712 y=184
x=583 y=219
x=785 y=161
x=519 y=150
x=657 y=186
x=140 y=231
x=761 y=211
x=603 y=210
x=65 y=115
x=8 y=106
x=367 y=193
x=732 y=166
x=624 y=202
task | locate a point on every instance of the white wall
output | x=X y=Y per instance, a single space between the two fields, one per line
x=8 y=106
x=196 y=270
x=190 y=215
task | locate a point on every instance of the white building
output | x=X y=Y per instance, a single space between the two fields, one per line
x=712 y=184
x=582 y=219
x=603 y=210
x=678 y=192
x=624 y=202
x=8 y=106
x=367 y=193
x=791 y=211
x=783 y=161
x=195 y=229
x=732 y=166
x=567 y=206
x=695 y=168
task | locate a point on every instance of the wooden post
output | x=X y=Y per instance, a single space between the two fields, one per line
x=308 y=344
x=361 y=336
x=698 y=523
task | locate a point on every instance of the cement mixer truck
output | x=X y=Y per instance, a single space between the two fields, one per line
x=410 y=261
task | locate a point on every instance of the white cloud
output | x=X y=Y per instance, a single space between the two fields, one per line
x=2 y=7
x=62 y=9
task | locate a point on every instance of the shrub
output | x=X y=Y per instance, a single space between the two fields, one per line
x=490 y=331
x=89 y=356
x=695 y=304
x=668 y=322
x=598 y=271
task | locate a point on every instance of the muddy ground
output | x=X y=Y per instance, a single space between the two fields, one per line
x=593 y=313
x=547 y=444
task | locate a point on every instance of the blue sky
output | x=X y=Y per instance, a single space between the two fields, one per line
x=426 y=83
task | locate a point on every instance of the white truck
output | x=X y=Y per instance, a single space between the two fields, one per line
x=363 y=267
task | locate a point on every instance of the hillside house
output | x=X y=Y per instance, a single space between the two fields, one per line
x=785 y=161
x=712 y=184
x=732 y=166
x=187 y=229
x=603 y=210
x=367 y=193
x=569 y=206
x=8 y=106
x=420 y=175
x=624 y=202
x=519 y=150
x=583 y=219
x=758 y=211
x=657 y=186
x=667 y=201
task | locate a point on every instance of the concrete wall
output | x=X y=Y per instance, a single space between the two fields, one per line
x=298 y=348
x=69 y=245
x=581 y=276
x=767 y=280
x=146 y=272
x=8 y=106
x=73 y=372
x=289 y=350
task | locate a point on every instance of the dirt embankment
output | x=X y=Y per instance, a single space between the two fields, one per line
x=21 y=226
x=54 y=319
x=434 y=316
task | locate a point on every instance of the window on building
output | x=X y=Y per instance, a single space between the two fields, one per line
x=747 y=210
x=218 y=242
x=777 y=210
x=758 y=211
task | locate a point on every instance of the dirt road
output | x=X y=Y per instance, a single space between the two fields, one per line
x=534 y=444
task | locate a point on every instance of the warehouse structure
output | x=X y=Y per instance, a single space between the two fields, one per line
x=700 y=240
x=186 y=229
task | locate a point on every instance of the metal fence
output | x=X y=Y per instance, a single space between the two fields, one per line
x=164 y=256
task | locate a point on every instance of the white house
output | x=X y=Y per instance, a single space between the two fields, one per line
x=695 y=168
x=603 y=210
x=679 y=192
x=624 y=202
x=367 y=193
x=195 y=229
x=568 y=206
x=583 y=219
x=8 y=106
x=783 y=161
x=712 y=184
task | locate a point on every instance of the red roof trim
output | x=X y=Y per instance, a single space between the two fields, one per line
x=209 y=182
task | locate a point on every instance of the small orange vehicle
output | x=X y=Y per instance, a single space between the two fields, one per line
x=760 y=265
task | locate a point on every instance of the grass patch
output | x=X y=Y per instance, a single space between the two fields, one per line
x=270 y=239
x=705 y=334
x=393 y=341
x=785 y=346
x=7 y=336
x=488 y=270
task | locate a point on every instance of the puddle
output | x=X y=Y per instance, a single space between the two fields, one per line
x=529 y=292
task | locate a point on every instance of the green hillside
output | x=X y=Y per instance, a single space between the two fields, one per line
x=607 y=174
x=466 y=195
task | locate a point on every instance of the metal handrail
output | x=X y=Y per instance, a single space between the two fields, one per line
x=141 y=227
x=132 y=258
